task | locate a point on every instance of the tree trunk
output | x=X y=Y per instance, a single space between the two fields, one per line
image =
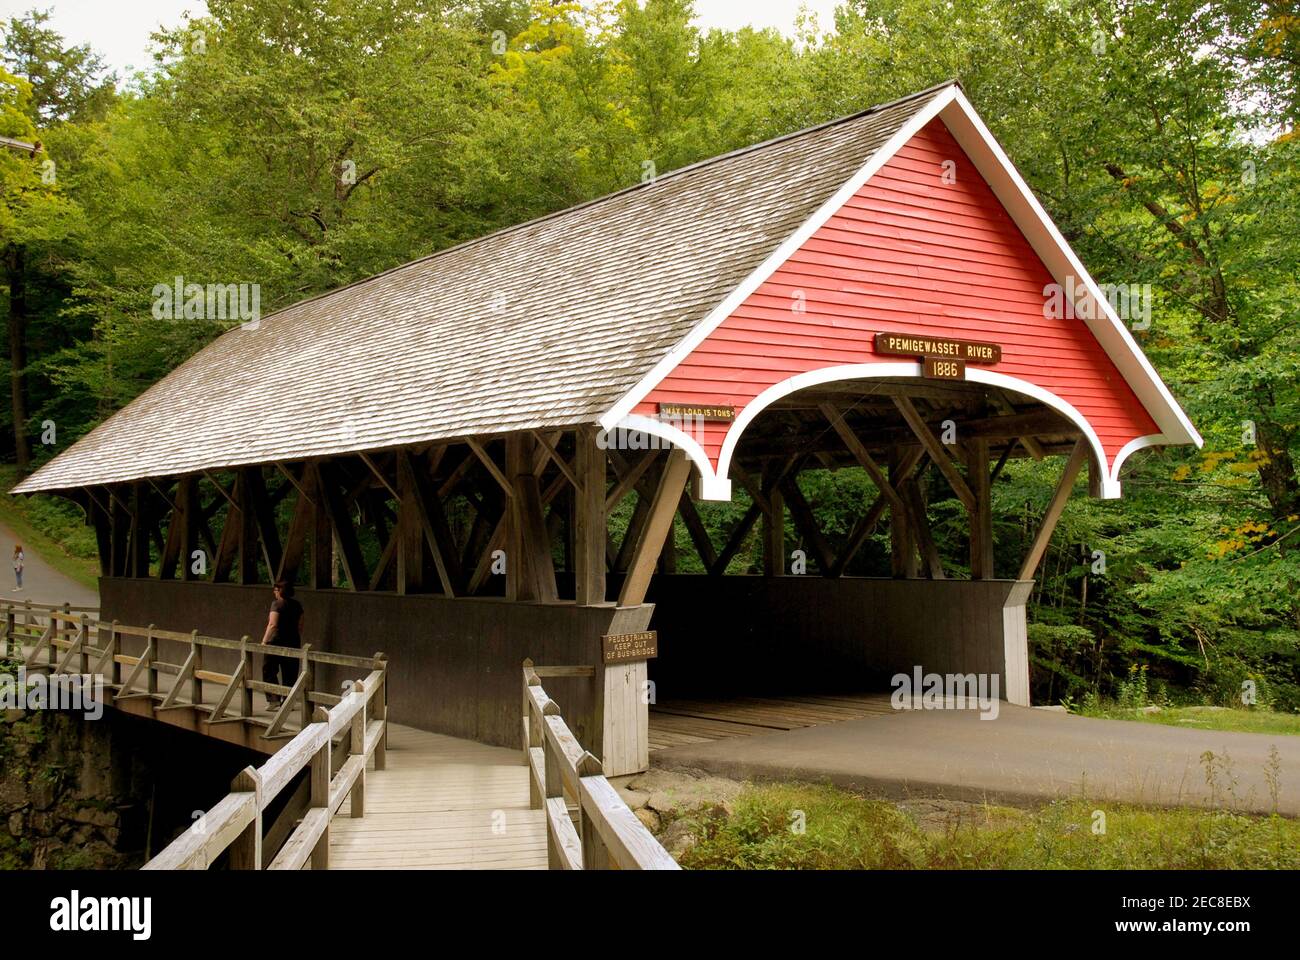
x=1277 y=472
x=18 y=355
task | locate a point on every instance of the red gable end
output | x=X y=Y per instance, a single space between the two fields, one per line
x=923 y=247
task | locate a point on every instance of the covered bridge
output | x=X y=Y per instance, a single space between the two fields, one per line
x=433 y=453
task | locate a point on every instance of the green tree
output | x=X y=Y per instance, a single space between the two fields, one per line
x=33 y=215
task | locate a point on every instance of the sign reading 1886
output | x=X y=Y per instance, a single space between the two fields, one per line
x=620 y=647
x=942 y=359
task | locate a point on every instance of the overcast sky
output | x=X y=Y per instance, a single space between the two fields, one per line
x=119 y=29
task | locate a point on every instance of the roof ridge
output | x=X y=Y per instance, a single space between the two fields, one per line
x=739 y=151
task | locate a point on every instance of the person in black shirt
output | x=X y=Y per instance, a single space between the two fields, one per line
x=283 y=629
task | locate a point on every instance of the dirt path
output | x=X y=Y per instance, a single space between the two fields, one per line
x=41 y=582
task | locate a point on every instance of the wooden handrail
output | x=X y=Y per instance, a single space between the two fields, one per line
x=235 y=822
x=608 y=834
x=32 y=605
x=358 y=719
x=64 y=644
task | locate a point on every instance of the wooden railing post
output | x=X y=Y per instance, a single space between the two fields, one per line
x=608 y=834
x=246 y=688
x=554 y=780
x=525 y=733
x=304 y=704
x=151 y=651
x=10 y=641
x=320 y=790
x=83 y=639
x=55 y=626
x=380 y=703
x=246 y=850
x=535 y=736
x=196 y=684
x=357 y=747
x=115 y=647
x=595 y=855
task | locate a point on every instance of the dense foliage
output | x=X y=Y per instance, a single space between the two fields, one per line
x=302 y=144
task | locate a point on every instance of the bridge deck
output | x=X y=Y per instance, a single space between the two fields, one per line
x=676 y=723
x=442 y=803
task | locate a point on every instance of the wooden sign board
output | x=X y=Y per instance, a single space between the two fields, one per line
x=681 y=411
x=622 y=647
x=911 y=345
x=941 y=368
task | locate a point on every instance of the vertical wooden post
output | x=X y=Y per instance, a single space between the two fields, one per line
x=410 y=546
x=902 y=539
x=246 y=850
x=56 y=629
x=247 y=520
x=83 y=640
x=103 y=535
x=10 y=640
x=320 y=791
x=526 y=725
x=601 y=726
x=196 y=684
x=379 y=708
x=246 y=689
x=517 y=462
x=554 y=786
x=589 y=521
x=308 y=681
x=187 y=505
x=151 y=651
x=120 y=535
x=981 y=516
x=536 y=739
x=115 y=647
x=322 y=540
x=595 y=855
x=139 y=556
x=357 y=748
x=774 y=533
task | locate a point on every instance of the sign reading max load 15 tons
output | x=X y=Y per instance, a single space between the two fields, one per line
x=622 y=647
x=941 y=359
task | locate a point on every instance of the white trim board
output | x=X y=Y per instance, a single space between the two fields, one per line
x=717 y=486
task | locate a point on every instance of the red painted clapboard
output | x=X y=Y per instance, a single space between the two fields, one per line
x=913 y=254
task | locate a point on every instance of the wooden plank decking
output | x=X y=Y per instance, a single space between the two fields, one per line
x=678 y=722
x=442 y=803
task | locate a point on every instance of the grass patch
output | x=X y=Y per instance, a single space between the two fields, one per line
x=844 y=831
x=1236 y=719
x=53 y=528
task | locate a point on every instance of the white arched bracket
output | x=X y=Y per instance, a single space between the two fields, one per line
x=715 y=485
x=711 y=486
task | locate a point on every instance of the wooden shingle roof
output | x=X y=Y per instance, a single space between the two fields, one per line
x=542 y=325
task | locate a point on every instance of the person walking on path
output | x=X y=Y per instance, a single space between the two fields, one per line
x=283 y=629
x=18 y=566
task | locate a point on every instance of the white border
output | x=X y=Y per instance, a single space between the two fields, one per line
x=1132 y=447
x=714 y=485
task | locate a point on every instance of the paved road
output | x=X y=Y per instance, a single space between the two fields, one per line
x=1023 y=756
x=41 y=582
